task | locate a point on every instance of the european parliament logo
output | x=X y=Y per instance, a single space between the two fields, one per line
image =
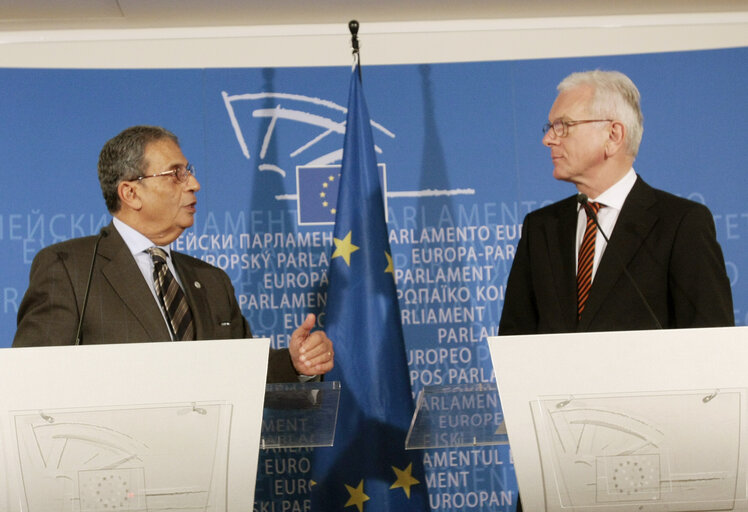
x=317 y=192
x=304 y=128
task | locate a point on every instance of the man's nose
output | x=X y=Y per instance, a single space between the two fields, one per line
x=550 y=138
x=192 y=183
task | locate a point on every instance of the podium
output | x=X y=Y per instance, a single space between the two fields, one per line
x=131 y=427
x=627 y=421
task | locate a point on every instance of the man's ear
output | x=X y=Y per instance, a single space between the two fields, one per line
x=128 y=195
x=616 y=139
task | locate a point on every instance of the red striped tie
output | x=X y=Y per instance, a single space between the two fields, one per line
x=586 y=258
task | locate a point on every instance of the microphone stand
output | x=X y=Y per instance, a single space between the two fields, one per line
x=103 y=233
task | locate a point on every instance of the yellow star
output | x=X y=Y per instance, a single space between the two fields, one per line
x=331 y=178
x=344 y=248
x=324 y=185
x=324 y=203
x=390 y=267
x=404 y=479
x=357 y=496
x=322 y=194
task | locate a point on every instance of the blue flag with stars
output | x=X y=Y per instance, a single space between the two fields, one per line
x=368 y=469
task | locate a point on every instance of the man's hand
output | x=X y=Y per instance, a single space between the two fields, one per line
x=311 y=352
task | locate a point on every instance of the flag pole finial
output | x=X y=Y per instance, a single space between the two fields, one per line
x=353 y=27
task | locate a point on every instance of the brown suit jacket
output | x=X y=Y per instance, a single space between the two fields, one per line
x=121 y=307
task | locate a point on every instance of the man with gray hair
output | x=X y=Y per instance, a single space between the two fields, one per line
x=141 y=290
x=660 y=266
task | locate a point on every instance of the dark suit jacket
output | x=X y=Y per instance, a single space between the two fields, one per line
x=121 y=307
x=669 y=246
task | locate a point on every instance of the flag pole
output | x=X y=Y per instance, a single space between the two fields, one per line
x=368 y=468
x=353 y=27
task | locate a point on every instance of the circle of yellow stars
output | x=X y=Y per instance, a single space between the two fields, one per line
x=324 y=193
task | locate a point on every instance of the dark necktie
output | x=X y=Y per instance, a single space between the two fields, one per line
x=586 y=259
x=171 y=296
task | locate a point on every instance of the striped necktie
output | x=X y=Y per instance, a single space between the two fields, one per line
x=586 y=259
x=171 y=296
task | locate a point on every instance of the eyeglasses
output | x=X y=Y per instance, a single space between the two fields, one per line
x=181 y=173
x=561 y=126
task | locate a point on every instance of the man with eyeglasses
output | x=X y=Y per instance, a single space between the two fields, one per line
x=141 y=290
x=666 y=244
x=663 y=266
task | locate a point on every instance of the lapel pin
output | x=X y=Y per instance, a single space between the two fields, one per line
x=198 y=285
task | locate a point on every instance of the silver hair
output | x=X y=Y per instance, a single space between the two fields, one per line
x=616 y=97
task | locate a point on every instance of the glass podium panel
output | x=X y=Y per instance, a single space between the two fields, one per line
x=662 y=451
x=455 y=416
x=300 y=415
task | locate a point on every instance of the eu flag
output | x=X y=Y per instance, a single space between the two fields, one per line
x=368 y=469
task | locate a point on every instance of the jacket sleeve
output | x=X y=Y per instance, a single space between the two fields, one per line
x=519 y=314
x=48 y=314
x=700 y=294
x=280 y=367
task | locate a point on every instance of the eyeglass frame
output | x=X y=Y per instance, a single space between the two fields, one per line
x=567 y=123
x=182 y=174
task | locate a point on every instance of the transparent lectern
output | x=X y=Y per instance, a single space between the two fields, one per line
x=131 y=427
x=457 y=416
x=300 y=415
x=627 y=421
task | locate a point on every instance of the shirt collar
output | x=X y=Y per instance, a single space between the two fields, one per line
x=615 y=196
x=136 y=241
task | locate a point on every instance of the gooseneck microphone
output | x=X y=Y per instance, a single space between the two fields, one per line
x=583 y=200
x=102 y=234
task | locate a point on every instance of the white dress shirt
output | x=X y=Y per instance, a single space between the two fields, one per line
x=613 y=199
x=138 y=245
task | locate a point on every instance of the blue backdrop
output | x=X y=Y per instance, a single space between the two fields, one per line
x=463 y=163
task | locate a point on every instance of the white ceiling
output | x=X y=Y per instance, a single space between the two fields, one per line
x=129 y=14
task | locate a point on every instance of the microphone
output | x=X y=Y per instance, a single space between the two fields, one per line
x=102 y=234
x=582 y=199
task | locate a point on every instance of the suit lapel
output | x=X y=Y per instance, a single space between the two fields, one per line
x=124 y=276
x=560 y=236
x=195 y=292
x=632 y=227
